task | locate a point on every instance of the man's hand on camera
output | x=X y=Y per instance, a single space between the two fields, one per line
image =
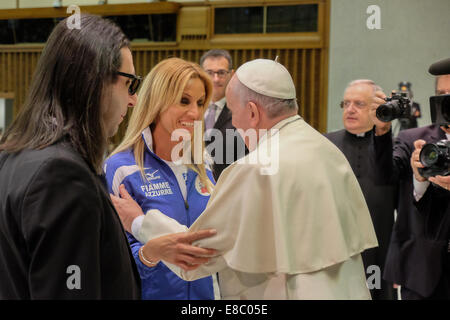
x=415 y=160
x=443 y=181
x=380 y=126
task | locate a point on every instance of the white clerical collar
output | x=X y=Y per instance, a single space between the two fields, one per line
x=278 y=126
x=286 y=121
x=361 y=134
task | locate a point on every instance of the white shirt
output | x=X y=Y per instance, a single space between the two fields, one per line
x=220 y=104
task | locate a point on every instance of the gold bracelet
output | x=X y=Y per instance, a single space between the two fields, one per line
x=141 y=254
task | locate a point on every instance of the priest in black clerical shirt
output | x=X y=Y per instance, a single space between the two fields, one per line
x=354 y=141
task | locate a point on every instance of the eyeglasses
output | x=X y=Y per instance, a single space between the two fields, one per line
x=135 y=82
x=357 y=104
x=221 y=73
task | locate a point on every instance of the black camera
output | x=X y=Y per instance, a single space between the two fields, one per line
x=394 y=108
x=440 y=109
x=436 y=159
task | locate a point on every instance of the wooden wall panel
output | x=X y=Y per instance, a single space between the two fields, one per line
x=16 y=72
x=306 y=60
x=304 y=65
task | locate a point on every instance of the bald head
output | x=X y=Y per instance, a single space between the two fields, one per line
x=274 y=107
x=253 y=111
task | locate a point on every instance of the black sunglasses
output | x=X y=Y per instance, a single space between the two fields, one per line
x=135 y=82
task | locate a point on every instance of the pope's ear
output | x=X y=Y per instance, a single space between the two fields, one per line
x=255 y=114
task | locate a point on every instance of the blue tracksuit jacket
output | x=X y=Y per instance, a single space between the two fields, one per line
x=161 y=191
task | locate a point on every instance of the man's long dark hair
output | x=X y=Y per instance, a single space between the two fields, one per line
x=64 y=99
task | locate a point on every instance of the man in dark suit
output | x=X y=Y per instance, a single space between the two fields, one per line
x=222 y=141
x=434 y=205
x=414 y=256
x=354 y=141
x=60 y=237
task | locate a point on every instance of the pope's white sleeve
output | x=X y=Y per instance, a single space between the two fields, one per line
x=213 y=266
x=156 y=224
x=136 y=226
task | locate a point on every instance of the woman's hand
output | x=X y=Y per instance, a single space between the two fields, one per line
x=176 y=248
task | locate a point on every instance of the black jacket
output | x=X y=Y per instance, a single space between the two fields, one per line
x=233 y=147
x=434 y=207
x=413 y=259
x=60 y=236
x=381 y=200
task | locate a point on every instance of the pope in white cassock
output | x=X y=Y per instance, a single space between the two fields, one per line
x=291 y=219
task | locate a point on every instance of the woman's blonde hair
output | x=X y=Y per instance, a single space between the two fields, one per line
x=163 y=87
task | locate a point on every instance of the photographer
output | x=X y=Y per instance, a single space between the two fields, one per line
x=416 y=253
x=433 y=202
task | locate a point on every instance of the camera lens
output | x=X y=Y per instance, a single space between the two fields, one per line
x=389 y=111
x=384 y=113
x=429 y=155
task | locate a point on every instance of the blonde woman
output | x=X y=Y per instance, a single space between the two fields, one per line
x=173 y=97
